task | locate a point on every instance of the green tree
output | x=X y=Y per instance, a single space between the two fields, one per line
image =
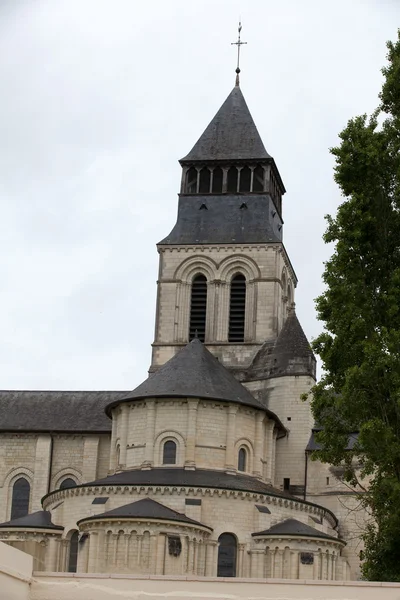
x=360 y=309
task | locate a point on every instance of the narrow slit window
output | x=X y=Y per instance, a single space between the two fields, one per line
x=217 y=181
x=237 y=309
x=169 y=453
x=198 y=308
x=73 y=552
x=258 y=181
x=20 y=498
x=242 y=459
x=205 y=178
x=286 y=484
x=245 y=178
x=232 y=180
x=191 y=181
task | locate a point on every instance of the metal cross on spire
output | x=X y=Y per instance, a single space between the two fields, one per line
x=238 y=44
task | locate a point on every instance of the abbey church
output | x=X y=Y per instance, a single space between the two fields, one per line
x=206 y=467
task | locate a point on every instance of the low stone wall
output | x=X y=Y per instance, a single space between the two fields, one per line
x=15 y=573
x=63 y=586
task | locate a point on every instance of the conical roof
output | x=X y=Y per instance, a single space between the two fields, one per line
x=232 y=134
x=290 y=355
x=295 y=528
x=40 y=519
x=144 y=509
x=193 y=372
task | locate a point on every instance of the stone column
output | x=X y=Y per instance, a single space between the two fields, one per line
x=101 y=551
x=195 y=556
x=139 y=548
x=113 y=448
x=224 y=179
x=83 y=556
x=123 y=438
x=278 y=564
x=93 y=549
x=241 y=548
x=210 y=550
x=334 y=561
x=250 y=314
x=114 y=538
x=258 y=445
x=127 y=537
x=190 y=557
x=160 y=554
x=222 y=315
x=41 y=471
x=230 y=462
x=316 y=566
x=294 y=565
x=211 y=312
x=52 y=551
x=192 y=405
x=269 y=436
x=64 y=555
x=150 y=426
x=153 y=553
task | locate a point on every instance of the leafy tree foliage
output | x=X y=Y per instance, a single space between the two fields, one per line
x=360 y=308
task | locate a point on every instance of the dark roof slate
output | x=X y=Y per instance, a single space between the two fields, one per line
x=295 y=528
x=183 y=478
x=232 y=134
x=194 y=372
x=144 y=509
x=290 y=355
x=55 y=411
x=314 y=445
x=37 y=520
x=228 y=219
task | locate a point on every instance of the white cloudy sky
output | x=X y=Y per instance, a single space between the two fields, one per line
x=99 y=99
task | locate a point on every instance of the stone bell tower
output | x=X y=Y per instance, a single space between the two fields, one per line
x=224 y=273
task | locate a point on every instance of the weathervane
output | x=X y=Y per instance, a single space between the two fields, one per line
x=238 y=44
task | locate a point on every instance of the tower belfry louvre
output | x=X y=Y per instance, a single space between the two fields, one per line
x=203 y=469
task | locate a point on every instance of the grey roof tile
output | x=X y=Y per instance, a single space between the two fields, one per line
x=194 y=373
x=37 y=520
x=183 y=478
x=55 y=411
x=224 y=221
x=144 y=509
x=232 y=134
x=290 y=355
x=295 y=528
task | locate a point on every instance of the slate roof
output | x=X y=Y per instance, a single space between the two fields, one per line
x=314 y=445
x=195 y=373
x=188 y=478
x=295 y=528
x=37 y=520
x=232 y=134
x=291 y=354
x=145 y=509
x=55 y=411
x=224 y=221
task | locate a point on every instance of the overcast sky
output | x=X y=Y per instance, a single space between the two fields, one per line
x=99 y=99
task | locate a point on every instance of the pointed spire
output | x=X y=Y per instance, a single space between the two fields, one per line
x=231 y=135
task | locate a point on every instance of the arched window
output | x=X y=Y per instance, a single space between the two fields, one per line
x=169 y=453
x=20 y=498
x=258 y=179
x=205 y=178
x=73 y=552
x=242 y=459
x=67 y=483
x=232 y=180
x=191 y=181
x=237 y=308
x=289 y=297
x=227 y=549
x=217 y=181
x=198 y=308
x=245 y=178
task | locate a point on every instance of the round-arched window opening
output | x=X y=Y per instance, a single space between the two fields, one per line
x=169 y=453
x=227 y=551
x=242 y=459
x=20 y=498
x=67 y=483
